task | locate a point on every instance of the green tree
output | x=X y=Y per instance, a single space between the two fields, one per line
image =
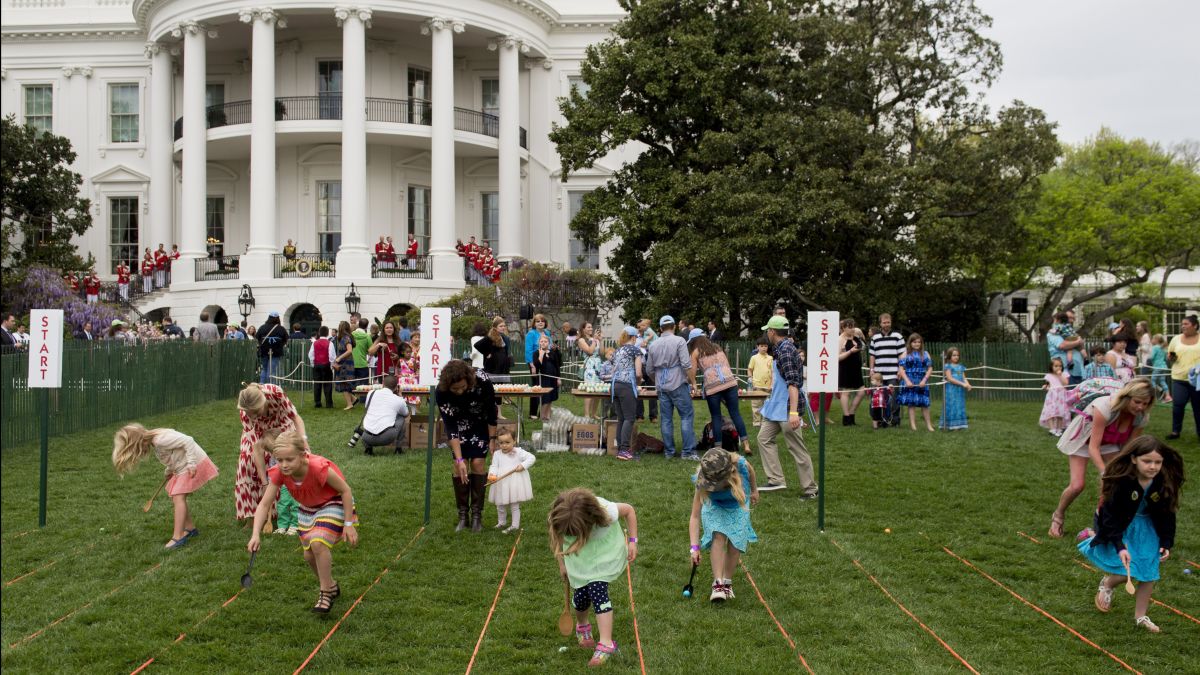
x=816 y=152
x=42 y=209
x=1109 y=215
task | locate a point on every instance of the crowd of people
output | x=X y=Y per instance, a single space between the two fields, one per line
x=479 y=261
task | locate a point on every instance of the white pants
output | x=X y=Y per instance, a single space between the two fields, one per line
x=160 y=278
x=92 y=299
x=502 y=514
x=147 y=284
x=123 y=289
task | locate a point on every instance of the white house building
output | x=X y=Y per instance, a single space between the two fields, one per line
x=229 y=127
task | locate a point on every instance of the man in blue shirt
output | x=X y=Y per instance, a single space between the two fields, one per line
x=668 y=363
x=781 y=414
x=1058 y=348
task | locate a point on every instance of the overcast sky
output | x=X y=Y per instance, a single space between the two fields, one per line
x=1133 y=66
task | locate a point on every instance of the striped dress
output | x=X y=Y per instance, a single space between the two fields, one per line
x=321 y=513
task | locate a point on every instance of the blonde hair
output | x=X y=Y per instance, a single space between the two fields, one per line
x=876 y=376
x=608 y=351
x=1158 y=339
x=131 y=444
x=252 y=400
x=735 y=480
x=506 y=432
x=574 y=513
x=1139 y=388
x=289 y=439
x=624 y=338
x=267 y=441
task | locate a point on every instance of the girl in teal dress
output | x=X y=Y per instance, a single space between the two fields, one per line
x=725 y=486
x=1135 y=524
x=954 y=412
x=592 y=551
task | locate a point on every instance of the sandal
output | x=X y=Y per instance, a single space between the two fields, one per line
x=324 y=602
x=176 y=543
x=337 y=591
x=194 y=532
x=1145 y=622
x=1056 y=526
x=1104 y=596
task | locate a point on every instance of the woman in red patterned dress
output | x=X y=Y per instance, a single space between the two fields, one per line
x=261 y=407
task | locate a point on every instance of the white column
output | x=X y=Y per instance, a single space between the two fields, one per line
x=195 y=150
x=264 y=239
x=537 y=225
x=447 y=266
x=354 y=258
x=161 y=138
x=512 y=235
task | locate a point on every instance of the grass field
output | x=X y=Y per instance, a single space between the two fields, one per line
x=94 y=592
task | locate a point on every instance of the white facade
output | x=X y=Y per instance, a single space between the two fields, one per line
x=327 y=124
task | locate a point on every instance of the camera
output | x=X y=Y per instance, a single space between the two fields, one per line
x=355 y=436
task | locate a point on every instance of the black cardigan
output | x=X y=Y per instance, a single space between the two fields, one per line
x=1115 y=515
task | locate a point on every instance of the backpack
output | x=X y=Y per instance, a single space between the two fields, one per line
x=729 y=437
x=1089 y=390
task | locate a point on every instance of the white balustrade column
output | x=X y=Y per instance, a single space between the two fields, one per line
x=354 y=258
x=512 y=234
x=264 y=239
x=195 y=150
x=160 y=136
x=447 y=266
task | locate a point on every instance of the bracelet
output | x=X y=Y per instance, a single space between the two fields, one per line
x=695 y=547
x=633 y=540
x=354 y=524
x=793 y=414
x=459 y=460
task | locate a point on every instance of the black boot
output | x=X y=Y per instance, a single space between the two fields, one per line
x=846 y=420
x=478 y=484
x=853 y=423
x=462 y=496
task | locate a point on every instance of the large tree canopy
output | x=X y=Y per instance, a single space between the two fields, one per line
x=42 y=208
x=827 y=153
x=1110 y=214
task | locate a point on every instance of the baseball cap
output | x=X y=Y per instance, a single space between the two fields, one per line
x=777 y=323
x=666 y=319
x=273 y=315
x=694 y=333
x=631 y=331
x=715 y=469
x=118 y=322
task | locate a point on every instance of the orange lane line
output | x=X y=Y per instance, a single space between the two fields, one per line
x=1191 y=563
x=1041 y=611
x=183 y=635
x=912 y=616
x=777 y=624
x=356 y=601
x=71 y=613
x=1185 y=615
x=496 y=599
x=633 y=611
x=10 y=582
x=1028 y=537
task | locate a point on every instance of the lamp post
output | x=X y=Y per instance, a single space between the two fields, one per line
x=352 y=300
x=246 y=302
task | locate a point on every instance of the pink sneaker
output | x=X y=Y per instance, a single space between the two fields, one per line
x=603 y=654
x=583 y=633
x=1085 y=533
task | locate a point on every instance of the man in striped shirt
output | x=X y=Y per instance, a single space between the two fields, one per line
x=885 y=350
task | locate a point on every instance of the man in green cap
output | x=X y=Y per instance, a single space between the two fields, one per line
x=781 y=413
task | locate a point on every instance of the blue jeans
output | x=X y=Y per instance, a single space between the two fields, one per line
x=270 y=368
x=730 y=398
x=1183 y=393
x=669 y=401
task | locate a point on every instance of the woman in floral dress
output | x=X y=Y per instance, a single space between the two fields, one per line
x=261 y=407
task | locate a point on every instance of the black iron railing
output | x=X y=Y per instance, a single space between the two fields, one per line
x=329 y=107
x=304 y=265
x=219 y=267
x=416 y=267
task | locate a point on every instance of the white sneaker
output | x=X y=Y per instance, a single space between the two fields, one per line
x=293 y=531
x=1145 y=622
x=718 y=594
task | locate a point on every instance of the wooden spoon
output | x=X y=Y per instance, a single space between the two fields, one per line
x=566 y=622
x=1129 y=588
x=150 y=502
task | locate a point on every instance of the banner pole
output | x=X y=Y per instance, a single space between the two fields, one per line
x=821 y=465
x=44 y=403
x=429 y=451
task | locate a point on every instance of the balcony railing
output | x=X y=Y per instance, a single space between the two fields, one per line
x=329 y=107
x=219 y=267
x=305 y=265
x=416 y=267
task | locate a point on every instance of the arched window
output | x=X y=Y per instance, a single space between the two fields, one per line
x=308 y=316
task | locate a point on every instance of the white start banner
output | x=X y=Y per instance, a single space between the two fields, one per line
x=435 y=343
x=822 y=364
x=45 y=348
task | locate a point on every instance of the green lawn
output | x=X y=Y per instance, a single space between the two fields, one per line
x=125 y=600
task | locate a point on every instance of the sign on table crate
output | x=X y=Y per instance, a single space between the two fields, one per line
x=585 y=437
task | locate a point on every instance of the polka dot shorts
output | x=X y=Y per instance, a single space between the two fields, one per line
x=594 y=594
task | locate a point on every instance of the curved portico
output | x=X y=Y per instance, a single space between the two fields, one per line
x=379 y=76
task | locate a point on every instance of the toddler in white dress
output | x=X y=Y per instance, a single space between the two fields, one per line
x=510 y=480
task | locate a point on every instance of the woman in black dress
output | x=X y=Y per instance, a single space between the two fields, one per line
x=547 y=360
x=850 y=379
x=465 y=398
x=494 y=347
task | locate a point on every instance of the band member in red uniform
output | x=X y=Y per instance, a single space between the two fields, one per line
x=391 y=252
x=160 y=267
x=72 y=281
x=496 y=270
x=171 y=258
x=411 y=251
x=123 y=280
x=147 y=272
x=91 y=286
x=381 y=252
x=461 y=249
